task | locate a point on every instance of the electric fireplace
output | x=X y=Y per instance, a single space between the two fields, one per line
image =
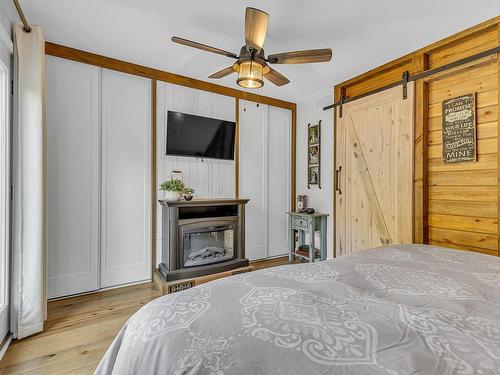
x=202 y=237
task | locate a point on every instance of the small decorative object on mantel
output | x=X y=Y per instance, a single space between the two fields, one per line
x=459 y=129
x=187 y=194
x=301 y=203
x=314 y=155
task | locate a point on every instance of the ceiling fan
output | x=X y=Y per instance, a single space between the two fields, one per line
x=252 y=64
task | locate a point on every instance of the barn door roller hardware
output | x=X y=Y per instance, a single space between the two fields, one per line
x=337 y=180
x=405 y=79
x=409 y=78
x=26 y=25
x=341 y=102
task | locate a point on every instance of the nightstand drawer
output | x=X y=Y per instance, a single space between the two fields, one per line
x=298 y=222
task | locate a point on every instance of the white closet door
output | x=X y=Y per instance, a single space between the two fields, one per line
x=253 y=176
x=126 y=179
x=73 y=176
x=278 y=186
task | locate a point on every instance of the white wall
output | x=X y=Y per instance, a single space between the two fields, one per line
x=319 y=199
x=6 y=18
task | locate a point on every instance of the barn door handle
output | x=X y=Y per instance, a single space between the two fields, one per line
x=337 y=180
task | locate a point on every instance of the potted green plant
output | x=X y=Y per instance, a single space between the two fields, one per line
x=187 y=193
x=173 y=189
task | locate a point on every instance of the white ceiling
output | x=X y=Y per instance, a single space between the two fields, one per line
x=362 y=33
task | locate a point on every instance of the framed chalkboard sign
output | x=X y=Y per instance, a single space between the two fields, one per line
x=459 y=129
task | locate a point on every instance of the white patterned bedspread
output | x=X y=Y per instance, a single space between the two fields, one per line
x=406 y=309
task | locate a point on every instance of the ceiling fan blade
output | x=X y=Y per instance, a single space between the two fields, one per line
x=276 y=77
x=224 y=72
x=203 y=47
x=256 y=22
x=301 y=57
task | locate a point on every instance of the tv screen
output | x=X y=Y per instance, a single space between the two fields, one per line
x=203 y=137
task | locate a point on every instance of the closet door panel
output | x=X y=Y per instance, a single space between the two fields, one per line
x=253 y=176
x=126 y=179
x=72 y=91
x=278 y=187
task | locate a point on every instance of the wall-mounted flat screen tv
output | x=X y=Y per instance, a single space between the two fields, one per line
x=196 y=136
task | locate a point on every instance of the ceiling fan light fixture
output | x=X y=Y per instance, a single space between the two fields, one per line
x=250 y=75
x=251 y=63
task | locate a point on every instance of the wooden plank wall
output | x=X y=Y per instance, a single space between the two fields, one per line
x=462 y=205
x=455 y=205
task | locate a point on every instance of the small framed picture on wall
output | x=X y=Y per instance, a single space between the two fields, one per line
x=314 y=155
x=313 y=135
x=313 y=175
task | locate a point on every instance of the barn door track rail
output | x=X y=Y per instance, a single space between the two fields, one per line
x=406 y=77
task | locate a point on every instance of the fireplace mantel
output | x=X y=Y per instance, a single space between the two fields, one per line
x=219 y=217
x=204 y=202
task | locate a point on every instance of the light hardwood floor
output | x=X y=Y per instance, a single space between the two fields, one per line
x=79 y=330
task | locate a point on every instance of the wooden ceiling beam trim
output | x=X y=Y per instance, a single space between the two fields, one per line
x=69 y=53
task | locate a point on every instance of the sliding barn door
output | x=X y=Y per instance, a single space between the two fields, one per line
x=374 y=164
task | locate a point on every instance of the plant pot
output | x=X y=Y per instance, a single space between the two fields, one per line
x=172 y=196
x=188 y=197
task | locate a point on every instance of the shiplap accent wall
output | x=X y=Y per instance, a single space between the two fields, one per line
x=209 y=177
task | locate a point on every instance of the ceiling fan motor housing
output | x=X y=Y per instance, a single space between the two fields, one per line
x=246 y=55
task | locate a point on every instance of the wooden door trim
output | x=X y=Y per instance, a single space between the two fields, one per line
x=293 y=166
x=498 y=140
x=364 y=171
x=237 y=150
x=153 y=176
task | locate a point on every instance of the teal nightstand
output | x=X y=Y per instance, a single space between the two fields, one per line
x=310 y=223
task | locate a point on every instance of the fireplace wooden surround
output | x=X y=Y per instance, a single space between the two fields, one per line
x=202 y=237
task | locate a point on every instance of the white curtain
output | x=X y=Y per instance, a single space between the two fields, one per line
x=29 y=207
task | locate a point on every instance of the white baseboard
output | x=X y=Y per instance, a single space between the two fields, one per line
x=101 y=290
x=5 y=345
x=126 y=284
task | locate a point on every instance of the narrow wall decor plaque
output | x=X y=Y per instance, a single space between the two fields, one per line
x=459 y=129
x=314 y=155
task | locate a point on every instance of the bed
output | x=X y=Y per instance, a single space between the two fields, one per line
x=405 y=309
